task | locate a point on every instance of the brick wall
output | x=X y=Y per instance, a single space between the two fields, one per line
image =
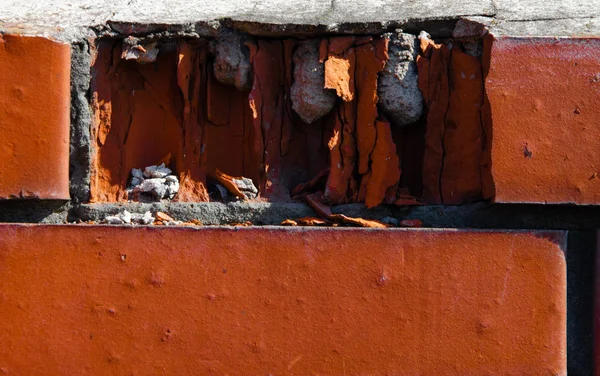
x=439 y=192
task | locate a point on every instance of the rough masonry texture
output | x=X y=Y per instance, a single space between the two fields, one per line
x=273 y=300
x=472 y=114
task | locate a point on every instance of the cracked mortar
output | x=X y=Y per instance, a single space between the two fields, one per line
x=310 y=99
x=81 y=121
x=399 y=95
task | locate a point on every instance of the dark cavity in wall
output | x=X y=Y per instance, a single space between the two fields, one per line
x=170 y=107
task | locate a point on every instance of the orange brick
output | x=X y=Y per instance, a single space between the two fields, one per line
x=181 y=301
x=544 y=96
x=34 y=117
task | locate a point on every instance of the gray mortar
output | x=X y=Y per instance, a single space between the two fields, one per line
x=209 y=213
x=479 y=215
x=81 y=122
x=399 y=96
x=72 y=20
x=232 y=60
x=34 y=211
x=310 y=100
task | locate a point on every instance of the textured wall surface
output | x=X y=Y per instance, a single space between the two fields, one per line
x=476 y=120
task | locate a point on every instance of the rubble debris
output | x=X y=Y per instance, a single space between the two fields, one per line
x=385 y=167
x=156 y=180
x=172 y=223
x=128 y=218
x=232 y=60
x=164 y=217
x=399 y=96
x=312 y=221
x=139 y=50
x=157 y=116
x=310 y=99
x=289 y=222
x=361 y=222
x=239 y=186
x=266 y=139
x=315 y=201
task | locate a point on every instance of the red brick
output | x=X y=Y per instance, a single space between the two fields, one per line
x=34 y=117
x=114 y=300
x=544 y=96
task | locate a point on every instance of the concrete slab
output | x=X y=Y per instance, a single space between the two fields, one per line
x=70 y=19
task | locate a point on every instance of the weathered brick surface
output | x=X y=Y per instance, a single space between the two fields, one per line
x=79 y=300
x=34 y=117
x=544 y=96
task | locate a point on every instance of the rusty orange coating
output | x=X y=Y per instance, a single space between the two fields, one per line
x=98 y=300
x=34 y=117
x=544 y=115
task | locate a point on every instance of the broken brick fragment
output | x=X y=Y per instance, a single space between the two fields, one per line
x=141 y=51
x=433 y=65
x=385 y=166
x=289 y=222
x=239 y=186
x=360 y=222
x=191 y=167
x=455 y=141
x=354 y=133
x=336 y=187
x=339 y=72
x=315 y=200
x=463 y=135
x=163 y=217
x=267 y=102
x=368 y=66
x=312 y=221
